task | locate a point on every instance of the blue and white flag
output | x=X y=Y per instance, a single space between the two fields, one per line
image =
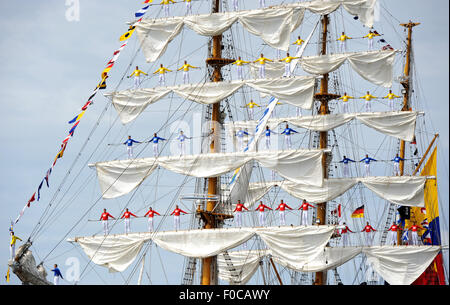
x=141 y=12
x=405 y=236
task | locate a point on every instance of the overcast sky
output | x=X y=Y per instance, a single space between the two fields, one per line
x=50 y=65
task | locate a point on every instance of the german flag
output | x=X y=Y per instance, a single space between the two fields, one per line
x=359 y=212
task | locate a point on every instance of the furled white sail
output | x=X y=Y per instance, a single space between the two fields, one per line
x=400 y=265
x=329 y=258
x=117 y=252
x=401 y=190
x=202 y=243
x=296 y=245
x=398 y=124
x=117 y=178
x=297 y=91
x=273 y=25
x=375 y=67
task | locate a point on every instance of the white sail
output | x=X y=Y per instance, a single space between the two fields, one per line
x=117 y=178
x=400 y=265
x=398 y=124
x=296 y=244
x=375 y=67
x=297 y=91
x=117 y=252
x=273 y=25
x=401 y=190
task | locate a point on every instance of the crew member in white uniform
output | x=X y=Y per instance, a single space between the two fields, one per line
x=182 y=145
x=151 y=213
x=397 y=160
x=240 y=134
x=392 y=234
x=262 y=216
x=344 y=234
x=282 y=207
x=57 y=274
x=127 y=215
x=155 y=140
x=176 y=217
x=104 y=218
x=287 y=135
x=414 y=234
x=346 y=165
x=367 y=160
x=238 y=213
x=369 y=237
x=129 y=144
x=262 y=65
x=12 y=245
x=304 y=208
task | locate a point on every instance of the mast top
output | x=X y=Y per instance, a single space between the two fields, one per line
x=410 y=24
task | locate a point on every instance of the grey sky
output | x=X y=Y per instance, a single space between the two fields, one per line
x=50 y=67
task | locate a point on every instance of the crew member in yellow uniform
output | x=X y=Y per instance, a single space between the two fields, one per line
x=287 y=66
x=262 y=68
x=298 y=43
x=251 y=106
x=368 y=97
x=345 y=99
x=188 y=7
x=162 y=72
x=370 y=37
x=137 y=76
x=185 y=69
x=166 y=6
x=12 y=247
x=391 y=96
x=343 y=39
x=239 y=64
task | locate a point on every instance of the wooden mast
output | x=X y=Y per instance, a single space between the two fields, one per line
x=406 y=102
x=209 y=264
x=324 y=97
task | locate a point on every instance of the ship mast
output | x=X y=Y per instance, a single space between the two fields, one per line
x=406 y=94
x=210 y=218
x=324 y=97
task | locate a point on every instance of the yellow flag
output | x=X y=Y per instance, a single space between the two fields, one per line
x=7 y=276
x=127 y=34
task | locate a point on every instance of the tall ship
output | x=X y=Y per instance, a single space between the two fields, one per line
x=264 y=143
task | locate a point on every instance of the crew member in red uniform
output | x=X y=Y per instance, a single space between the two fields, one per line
x=176 y=217
x=304 y=208
x=104 y=218
x=414 y=235
x=127 y=216
x=392 y=237
x=237 y=213
x=262 y=216
x=150 y=213
x=368 y=229
x=344 y=234
x=282 y=207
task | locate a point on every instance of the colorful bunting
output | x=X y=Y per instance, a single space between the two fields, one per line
x=76 y=120
x=141 y=12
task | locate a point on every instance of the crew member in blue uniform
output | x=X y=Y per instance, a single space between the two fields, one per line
x=129 y=144
x=287 y=135
x=155 y=140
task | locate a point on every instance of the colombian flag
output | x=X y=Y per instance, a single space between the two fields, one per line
x=147 y=1
x=359 y=212
x=434 y=274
